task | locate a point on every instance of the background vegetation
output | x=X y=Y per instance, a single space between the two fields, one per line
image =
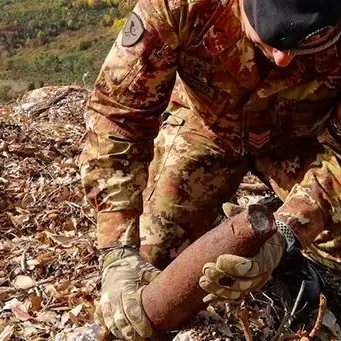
x=52 y=42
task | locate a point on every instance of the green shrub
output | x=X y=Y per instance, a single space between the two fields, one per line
x=118 y=24
x=84 y=45
x=31 y=86
x=107 y=20
x=126 y=6
x=8 y=64
x=115 y=2
x=5 y=93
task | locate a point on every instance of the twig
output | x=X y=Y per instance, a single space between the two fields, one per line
x=87 y=217
x=7 y=290
x=254 y=188
x=23 y=259
x=287 y=337
x=287 y=319
x=243 y=318
x=46 y=280
x=272 y=304
x=297 y=301
x=24 y=151
x=320 y=316
x=73 y=204
x=269 y=303
x=56 y=189
x=40 y=132
x=281 y=327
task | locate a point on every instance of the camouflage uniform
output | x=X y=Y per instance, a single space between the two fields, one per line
x=231 y=109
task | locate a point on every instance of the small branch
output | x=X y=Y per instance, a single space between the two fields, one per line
x=287 y=337
x=297 y=301
x=243 y=317
x=254 y=188
x=286 y=321
x=320 y=316
x=46 y=280
x=23 y=260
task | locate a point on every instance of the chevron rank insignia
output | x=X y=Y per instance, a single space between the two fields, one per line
x=132 y=31
x=259 y=140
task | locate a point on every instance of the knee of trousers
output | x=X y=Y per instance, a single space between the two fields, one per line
x=162 y=240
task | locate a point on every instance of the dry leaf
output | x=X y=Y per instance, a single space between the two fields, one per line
x=5 y=292
x=50 y=317
x=45 y=258
x=7 y=333
x=24 y=282
x=76 y=310
x=35 y=303
x=19 y=311
x=330 y=321
x=29 y=329
x=32 y=263
x=64 y=241
x=184 y=336
x=18 y=220
x=89 y=332
x=74 y=319
x=63 y=285
x=91 y=283
x=64 y=319
x=66 y=194
x=50 y=290
x=12 y=303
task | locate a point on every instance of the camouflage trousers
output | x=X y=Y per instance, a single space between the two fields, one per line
x=191 y=177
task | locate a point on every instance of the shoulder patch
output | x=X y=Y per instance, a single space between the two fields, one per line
x=132 y=31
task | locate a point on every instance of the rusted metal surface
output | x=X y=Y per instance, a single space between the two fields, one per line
x=174 y=296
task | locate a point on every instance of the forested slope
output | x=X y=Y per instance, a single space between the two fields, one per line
x=53 y=42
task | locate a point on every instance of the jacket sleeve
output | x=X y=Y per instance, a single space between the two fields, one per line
x=315 y=203
x=122 y=119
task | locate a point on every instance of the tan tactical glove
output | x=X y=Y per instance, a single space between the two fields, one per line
x=120 y=309
x=233 y=277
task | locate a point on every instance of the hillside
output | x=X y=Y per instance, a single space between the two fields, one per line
x=55 y=42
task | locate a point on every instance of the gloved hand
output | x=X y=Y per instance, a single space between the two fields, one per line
x=120 y=309
x=233 y=277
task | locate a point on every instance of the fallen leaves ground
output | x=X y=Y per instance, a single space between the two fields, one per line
x=48 y=267
x=49 y=274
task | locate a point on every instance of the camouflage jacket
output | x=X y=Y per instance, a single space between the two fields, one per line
x=245 y=105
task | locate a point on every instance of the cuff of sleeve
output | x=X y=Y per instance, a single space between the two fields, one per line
x=117 y=229
x=288 y=235
x=304 y=218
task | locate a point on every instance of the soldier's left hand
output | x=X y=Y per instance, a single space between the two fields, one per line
x=233 y=277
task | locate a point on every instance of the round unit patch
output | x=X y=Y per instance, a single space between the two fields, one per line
x=132 y=31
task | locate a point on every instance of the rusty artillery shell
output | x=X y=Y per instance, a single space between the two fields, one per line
x=174 y=296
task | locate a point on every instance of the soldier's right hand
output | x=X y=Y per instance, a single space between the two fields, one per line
x=120 y=309
x=233 y=277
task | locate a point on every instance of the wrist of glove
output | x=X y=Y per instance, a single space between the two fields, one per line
x=120 y=309
x=233 y=277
